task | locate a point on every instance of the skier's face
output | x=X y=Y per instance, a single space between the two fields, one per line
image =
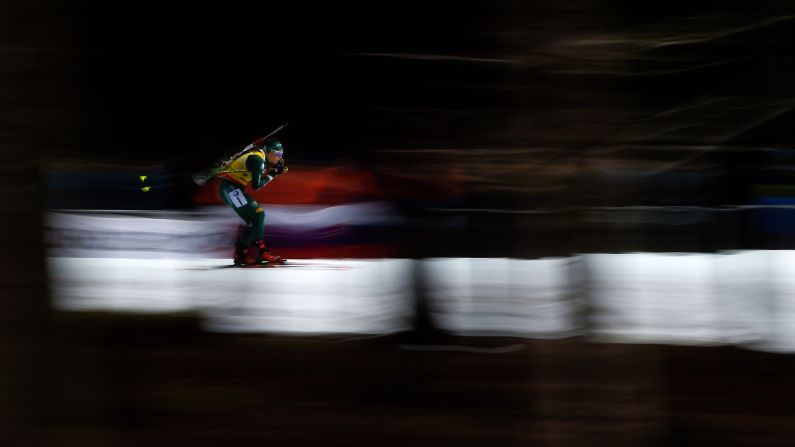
x=274 y=157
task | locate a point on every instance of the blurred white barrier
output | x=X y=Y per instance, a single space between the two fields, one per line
x=743 y=298
x=209 y=232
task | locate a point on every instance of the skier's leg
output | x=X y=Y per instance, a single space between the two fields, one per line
x=257 y=231
x=255 y=224
x=254 y=217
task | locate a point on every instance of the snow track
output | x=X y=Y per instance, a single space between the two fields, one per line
x=745 y=298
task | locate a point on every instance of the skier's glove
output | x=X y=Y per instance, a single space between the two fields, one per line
x=278 y=169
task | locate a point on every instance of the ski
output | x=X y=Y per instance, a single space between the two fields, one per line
x=275 y=265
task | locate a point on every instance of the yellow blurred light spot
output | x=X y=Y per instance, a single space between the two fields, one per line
x=143 y=178
x=146 y=188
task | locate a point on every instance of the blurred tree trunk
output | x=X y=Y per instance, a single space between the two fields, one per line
x=38 y=97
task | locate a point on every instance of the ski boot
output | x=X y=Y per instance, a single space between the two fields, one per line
x=265 y=255
x=246 y=255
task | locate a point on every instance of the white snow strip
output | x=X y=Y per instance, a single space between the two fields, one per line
x=745 y=298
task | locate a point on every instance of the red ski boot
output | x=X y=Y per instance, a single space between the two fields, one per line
x=246 y=255
x=265 y=255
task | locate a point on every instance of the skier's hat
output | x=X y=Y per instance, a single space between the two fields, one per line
x=274 y=145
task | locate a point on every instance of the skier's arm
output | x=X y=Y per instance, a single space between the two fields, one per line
x=255 y=165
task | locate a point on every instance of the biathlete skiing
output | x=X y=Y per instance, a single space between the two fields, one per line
x=257 y=164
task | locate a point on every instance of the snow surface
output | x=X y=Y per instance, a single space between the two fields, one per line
x=745 y=298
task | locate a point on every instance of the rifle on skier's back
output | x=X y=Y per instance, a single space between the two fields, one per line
x=222 y=164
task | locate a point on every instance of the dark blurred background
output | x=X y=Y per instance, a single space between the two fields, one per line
x=520 y=129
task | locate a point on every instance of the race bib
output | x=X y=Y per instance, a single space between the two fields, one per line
x=237 y=198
